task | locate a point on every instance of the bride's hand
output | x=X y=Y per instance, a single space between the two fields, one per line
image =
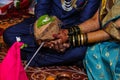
x=61 y=41
x=63 y=35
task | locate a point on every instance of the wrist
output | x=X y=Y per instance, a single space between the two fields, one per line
x=74 y=30
x=76 y=38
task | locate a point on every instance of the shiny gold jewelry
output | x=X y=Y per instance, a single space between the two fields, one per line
x=73 y=40
x=78 y=40
x=84 y=35
x=75 y=30
x=80 y=29
x=82 y=39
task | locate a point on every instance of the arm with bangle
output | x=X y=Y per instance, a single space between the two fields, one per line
x=79 y=39
x=83 y=34
x=98 y=35
x=87 y=32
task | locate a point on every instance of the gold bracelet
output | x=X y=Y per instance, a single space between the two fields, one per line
x=75 y=30
x=73 y=40
x=82 y=39
x=78 y=40
x=80 y=30
x=86 y=37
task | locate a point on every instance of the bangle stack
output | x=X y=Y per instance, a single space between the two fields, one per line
x=76 y=38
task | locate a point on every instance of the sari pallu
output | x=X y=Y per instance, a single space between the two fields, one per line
x=102 y=60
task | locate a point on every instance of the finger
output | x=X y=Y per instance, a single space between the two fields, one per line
x=56 y=43
x=62 y=50
x=60 y=45
x=47 y=44
x=53 y=44
x=66 y=45
x=56 y=47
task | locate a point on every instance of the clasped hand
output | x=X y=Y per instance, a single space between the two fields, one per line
x=60 y=43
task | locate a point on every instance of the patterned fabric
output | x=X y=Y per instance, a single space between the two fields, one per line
x=41 y=73
x=102 y=60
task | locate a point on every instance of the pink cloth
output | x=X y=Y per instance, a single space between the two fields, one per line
x=11 y=67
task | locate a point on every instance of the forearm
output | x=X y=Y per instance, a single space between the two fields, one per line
x=90 y=25
x=97 y=36
x=88 y=38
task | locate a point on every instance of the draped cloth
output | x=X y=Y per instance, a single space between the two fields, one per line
x=102 y=60
x=11 y=67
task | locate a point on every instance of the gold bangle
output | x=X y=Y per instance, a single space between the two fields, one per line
x=78 y=39
x=80 y=30
x=85 y=40
x=82 y=39
x=75 y=30
x=84 y=35
x=73 y=40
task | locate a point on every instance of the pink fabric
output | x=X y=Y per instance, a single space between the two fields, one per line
x=11 y=67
